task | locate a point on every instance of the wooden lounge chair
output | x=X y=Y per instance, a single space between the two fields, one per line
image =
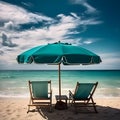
x=82 y=96
x=40 y=94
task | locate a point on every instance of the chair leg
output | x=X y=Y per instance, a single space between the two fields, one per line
x=51 y=104
x=50 y=107
x=29 y=106
x=75 y=107
x=28 y=109
x=71 y=102
x=94 y=105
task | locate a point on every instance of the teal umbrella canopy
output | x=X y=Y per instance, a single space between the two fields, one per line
x=58 y=53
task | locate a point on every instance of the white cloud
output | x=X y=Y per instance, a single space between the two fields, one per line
x=28 y=4
x=53 y=33
x=87 y=42
x=90 y=40
x=91 y=21
x=89 y=9
x=19 y=15
x=74 y=15
x=9 y=25
x=64 y=25
x=110 y=60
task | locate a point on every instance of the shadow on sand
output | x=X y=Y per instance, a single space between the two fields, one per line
x=104 y=113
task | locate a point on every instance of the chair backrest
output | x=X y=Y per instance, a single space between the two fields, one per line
x=39 y=89
x=84 y=90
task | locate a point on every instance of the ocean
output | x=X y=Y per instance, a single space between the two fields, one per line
x=14 y=83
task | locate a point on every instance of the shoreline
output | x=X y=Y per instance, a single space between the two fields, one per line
x=16 y=109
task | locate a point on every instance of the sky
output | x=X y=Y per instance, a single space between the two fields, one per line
x=92 y=24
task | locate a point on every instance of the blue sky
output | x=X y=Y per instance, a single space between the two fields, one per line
x=94 y=25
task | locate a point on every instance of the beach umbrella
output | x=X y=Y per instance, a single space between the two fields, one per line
x=57 y=53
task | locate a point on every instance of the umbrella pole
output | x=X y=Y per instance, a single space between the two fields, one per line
x=59 y=72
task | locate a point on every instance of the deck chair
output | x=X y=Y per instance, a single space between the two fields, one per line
x=82 y=96
x=40 y=94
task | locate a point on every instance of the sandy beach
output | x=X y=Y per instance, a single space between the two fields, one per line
x=16 y=109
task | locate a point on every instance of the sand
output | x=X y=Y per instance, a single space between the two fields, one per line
x=16 y=109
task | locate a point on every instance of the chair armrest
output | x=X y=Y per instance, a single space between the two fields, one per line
x=51 y=92
x=70 y=95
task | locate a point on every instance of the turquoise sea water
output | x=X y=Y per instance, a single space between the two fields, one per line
x=15 y=83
